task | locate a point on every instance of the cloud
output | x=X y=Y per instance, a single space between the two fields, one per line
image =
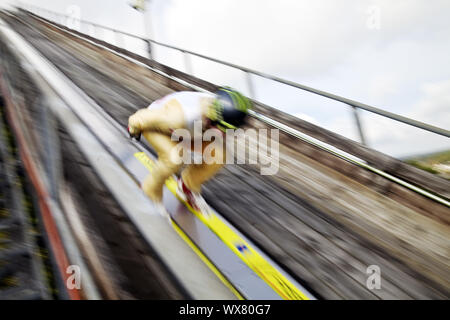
x=434 y=104
x=275 y=36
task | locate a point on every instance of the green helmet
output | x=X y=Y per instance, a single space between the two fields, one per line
x=230 y=108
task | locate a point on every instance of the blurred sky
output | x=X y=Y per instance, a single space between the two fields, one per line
x=390 y=54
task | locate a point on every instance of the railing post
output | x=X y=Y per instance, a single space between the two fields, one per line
x=118 y=38
x=251 y=90
x=149 y=49
x=91 y=29
x=359 y=126
x=187 y=63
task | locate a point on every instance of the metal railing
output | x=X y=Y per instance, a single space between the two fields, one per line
x=249 y=73
x=323 y=145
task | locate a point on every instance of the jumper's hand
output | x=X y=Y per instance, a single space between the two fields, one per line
x=134 y=133
x=133 y=128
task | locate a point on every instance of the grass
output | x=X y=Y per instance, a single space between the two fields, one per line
x=428 y=162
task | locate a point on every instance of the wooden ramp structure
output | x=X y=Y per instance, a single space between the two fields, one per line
x=322 y=220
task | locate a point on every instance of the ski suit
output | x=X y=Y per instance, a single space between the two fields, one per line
x=157 y=123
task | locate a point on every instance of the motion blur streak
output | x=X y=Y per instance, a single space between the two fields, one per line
x=338 y=220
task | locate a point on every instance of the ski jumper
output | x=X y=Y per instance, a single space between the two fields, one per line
x=157 y=122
